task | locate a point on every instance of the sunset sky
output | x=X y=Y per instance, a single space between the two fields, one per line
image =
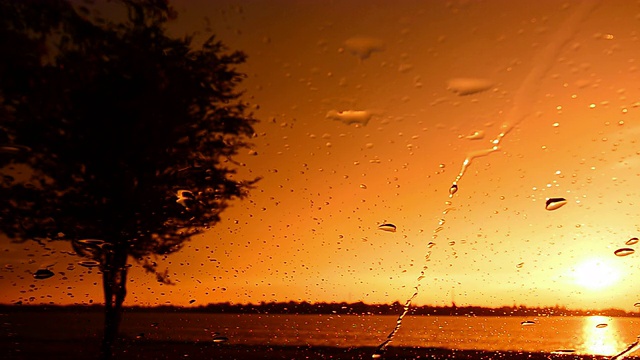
x=368 y=111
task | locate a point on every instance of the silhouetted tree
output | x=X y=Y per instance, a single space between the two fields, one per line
x=114 y=135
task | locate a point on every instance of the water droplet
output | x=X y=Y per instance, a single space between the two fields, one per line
x=637 y=304
x=91 y=243
x=387 y=227
x=468 y=86
x=220 y=339
x=476 y=135
x=431 y=244
x=624 y=252
x=520 y=265
x=453 y=189
x=359 y=117
x=528 y=323
x=601 y=326
x=42 y=274
x=376 y=356
x=563 y=351
x=89 y=263
x=14 y=149
x=184 y=197
x=363 y=186
x=555 y=203
x=363 y=47
x=632 y=241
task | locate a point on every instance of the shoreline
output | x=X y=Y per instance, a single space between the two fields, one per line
x=17 y=348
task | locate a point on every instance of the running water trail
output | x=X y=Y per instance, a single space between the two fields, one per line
x=631 y=348
x=522 y=106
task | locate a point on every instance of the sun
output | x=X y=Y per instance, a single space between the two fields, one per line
x=596 y=274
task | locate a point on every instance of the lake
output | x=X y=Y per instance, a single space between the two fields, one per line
x=596 y=335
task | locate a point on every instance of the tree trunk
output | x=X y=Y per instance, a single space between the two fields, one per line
x=114 y=281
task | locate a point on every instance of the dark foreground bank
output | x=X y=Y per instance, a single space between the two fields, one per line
x=142 y=349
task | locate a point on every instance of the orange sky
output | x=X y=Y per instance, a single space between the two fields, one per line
x=561 y=76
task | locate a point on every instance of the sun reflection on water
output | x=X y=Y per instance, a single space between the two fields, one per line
x=599 y=334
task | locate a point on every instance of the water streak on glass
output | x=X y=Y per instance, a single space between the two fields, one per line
x=520 y=110
x=631 y=348
x=382 y=347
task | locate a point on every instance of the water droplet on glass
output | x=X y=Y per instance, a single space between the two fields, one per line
x=555 y=203
x=387 y=227
x=363 y=186
x=184 y=196
x=476 y=135
x=14 y=149
x=42 y=274
x=468 y=86
x=601 y=326
x=220 y=339
x=528 y=323
x=624 y=252
x=431 y=244
x=632 y=241
x=520 y=265
x=91 y=243
x=376 y=356
x=563 y=351
x=89 y=263
x=363 y=47
x=359 y=117
x=453 y=189
x=637 y=304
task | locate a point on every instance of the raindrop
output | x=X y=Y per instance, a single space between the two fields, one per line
x=528 y=323
x=476 y=135
x=89 y=263
x=14 y=149
x=183 y=197
x=632 y=241
x=563 y=351
x=387 y=227
x=637 y=304
x=601 y=326
x=363 y=47
x=520 y=265
x=349 y=117
x=555 y=203
x=220 y=339
x=42 y=274
x=91 y=242
x=431 y=244
x=453 y=189
x=363 y=186
x=468 y=86
x=624 y=252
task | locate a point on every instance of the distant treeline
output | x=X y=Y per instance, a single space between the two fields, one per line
x=343 y=308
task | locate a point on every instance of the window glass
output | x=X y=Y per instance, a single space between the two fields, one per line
x=468 y=164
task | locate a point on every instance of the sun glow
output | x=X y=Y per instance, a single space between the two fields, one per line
x=595 y=274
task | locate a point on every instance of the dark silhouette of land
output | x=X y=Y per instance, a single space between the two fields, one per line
x=341 y=308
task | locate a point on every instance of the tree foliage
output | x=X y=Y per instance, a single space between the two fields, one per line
x=127 y=132
x=114 y=135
